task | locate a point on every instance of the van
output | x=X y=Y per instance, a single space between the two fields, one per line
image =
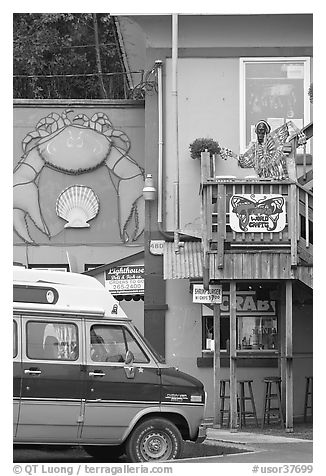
x=84 y=375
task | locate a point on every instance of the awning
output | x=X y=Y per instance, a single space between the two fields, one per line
x=183 y=265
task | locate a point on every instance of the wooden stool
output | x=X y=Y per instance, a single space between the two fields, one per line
x=224 y=396
x=307 y=400
x=242 y=398
x=268 y=410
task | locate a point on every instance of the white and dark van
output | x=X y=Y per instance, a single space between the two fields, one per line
x=84 y=375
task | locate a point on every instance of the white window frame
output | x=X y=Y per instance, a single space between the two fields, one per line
x=63 y=268
x=286 y=59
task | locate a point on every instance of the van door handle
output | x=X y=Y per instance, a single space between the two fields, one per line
x=96 y=373
x=32 y=371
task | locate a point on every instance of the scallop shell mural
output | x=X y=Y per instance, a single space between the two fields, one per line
x=77 y=205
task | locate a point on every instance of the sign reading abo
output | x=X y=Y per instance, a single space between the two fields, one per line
x=257 y=213
x=212 y=296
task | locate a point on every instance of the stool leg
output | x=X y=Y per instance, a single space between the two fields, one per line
x=222 y=396
x=306 y=400
x=253 y=402
x=241 y=406
x=278 y=390
x=269 y=397
x=311 y=397
x=264 y=406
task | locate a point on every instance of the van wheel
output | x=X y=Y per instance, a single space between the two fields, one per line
x=154 y=440
x=104 y=453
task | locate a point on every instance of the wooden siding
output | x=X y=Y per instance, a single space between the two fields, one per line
x=246 y=265
x=252 y=265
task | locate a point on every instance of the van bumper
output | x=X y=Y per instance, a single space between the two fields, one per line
x=201 y=436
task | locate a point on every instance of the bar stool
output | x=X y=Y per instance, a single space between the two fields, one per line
x=242 y=398
x=268 y=410
x=307 y=400
x=224 y=386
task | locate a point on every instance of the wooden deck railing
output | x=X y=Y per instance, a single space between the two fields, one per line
x=219 y=238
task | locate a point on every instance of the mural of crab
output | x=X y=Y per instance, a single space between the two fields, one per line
x=76 y=146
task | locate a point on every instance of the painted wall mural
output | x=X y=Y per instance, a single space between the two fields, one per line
x=77 y=146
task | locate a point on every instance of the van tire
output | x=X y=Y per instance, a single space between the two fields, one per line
x=104 y=453
x=153 y=440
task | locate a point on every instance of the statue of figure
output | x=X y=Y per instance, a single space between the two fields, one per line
x=266 y=154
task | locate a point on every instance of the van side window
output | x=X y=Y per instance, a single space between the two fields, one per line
x=52 y=341
x=15 y=339
x=110 y=344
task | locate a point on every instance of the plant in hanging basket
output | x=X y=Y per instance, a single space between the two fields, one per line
x=201 y=145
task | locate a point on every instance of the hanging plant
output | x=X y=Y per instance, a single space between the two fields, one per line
x=201 y=145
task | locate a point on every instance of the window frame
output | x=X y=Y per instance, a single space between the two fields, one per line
x=49 y=267
x=124 y=329
x=242 y=86
x=15 y=338
x=240 y=314
x=46 y=321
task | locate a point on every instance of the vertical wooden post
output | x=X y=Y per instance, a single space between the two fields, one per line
x=204 y=239
x=293 y=222
x=233 y=350
x=221 y=220
x=282 y=338
x=289 y=358
x=217 y=365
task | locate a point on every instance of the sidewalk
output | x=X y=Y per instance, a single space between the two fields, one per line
x=261 y=447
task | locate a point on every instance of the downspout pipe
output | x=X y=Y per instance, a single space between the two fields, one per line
x=175 y=112
x=169 y=236
x=160 y=144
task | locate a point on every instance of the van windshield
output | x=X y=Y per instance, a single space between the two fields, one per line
x=158 y=356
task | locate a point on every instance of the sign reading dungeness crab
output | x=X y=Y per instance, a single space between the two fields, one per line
x=257 y=213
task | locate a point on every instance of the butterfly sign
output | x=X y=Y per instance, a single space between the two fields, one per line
x=257 y=213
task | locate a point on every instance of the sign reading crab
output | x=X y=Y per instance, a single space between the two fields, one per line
x=257 y=213
x=74 y=147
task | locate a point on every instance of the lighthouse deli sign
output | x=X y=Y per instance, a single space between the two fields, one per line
x=257 y=213
x=124 y=280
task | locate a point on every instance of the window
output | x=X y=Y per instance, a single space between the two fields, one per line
x=52 y=341
x=111 y=343
x=50 y=267
x=274 y=89
x=15 y=339
x=257 y=333
x=256 y=323
x=208 y=324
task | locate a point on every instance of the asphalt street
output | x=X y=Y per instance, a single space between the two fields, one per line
x=66 y=454
x=294 y=451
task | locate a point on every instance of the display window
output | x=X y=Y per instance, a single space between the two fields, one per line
x=274 y=89
x=256 y=328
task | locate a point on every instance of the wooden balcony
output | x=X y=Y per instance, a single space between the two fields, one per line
x=229 y=254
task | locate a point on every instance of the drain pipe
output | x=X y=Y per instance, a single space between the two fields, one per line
x=175 y=111
x=160 y=145
x=169 y=236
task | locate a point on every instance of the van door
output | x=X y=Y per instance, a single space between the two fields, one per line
x=116 y=392
x=51 y=380
x=17 y=372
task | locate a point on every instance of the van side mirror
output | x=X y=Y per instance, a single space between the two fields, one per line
x=129 y=359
